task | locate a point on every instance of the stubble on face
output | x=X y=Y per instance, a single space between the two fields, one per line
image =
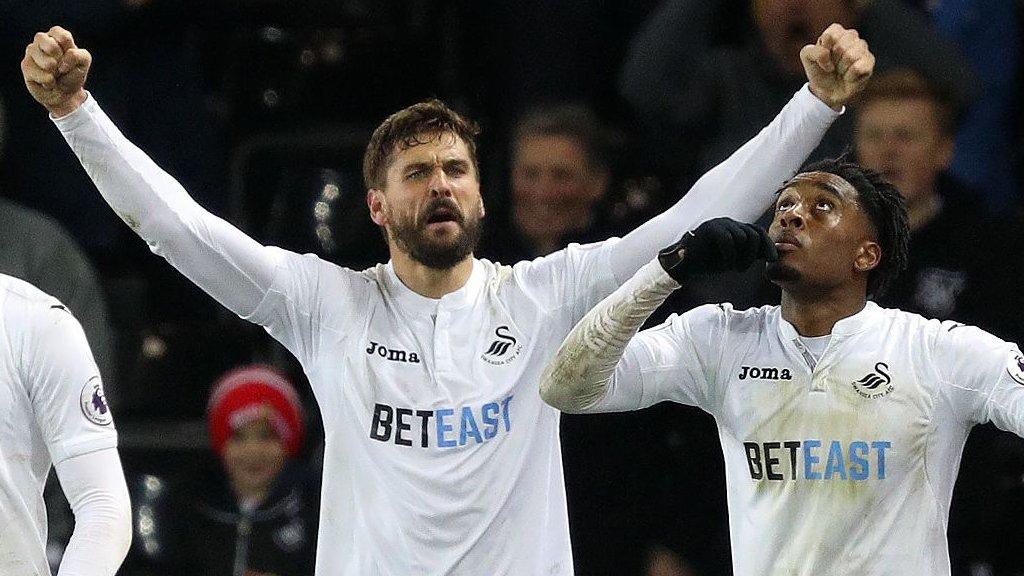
x=781 y=274
x=413 y=236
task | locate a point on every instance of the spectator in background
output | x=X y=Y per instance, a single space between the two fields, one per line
x=37 y=249
x=905 y=130
x=560 y=173
x=562 y=191
x=700 y=98
x=255 y=515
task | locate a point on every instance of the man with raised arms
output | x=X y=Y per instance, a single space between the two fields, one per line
x=440 y=457
x=842 y=423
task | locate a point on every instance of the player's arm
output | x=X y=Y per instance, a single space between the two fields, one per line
x=224 y=262
x=983 y=378
x=66 y=393
x=94 y=486
x=603 y=365
x=742 y=186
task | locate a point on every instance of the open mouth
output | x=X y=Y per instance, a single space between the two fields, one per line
x=443 y=214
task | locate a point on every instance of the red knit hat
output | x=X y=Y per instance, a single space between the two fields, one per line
x=245 y=394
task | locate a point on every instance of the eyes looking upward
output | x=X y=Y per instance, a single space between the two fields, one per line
x=787 y=202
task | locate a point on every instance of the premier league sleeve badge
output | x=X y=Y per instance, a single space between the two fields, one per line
x=94 y=403
x=1015 y=365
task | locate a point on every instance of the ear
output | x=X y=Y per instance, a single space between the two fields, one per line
x=482 y=211
x=377 y=203
x=869 y=256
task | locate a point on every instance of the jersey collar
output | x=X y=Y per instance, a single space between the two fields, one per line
x=418 y=304
x=845 y=327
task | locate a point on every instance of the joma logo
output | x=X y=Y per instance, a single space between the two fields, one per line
x=391 y=354
x=765 y=373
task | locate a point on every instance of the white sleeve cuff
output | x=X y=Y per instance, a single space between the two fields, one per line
x=808 y=99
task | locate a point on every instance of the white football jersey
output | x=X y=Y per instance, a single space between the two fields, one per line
x=843 y=466
x=52 y=408
x=440 y=456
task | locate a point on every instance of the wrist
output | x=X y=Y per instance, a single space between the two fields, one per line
x=69 y=105
x=823 y=96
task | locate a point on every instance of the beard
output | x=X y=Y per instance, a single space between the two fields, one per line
x=779 y=273
x=412 y=237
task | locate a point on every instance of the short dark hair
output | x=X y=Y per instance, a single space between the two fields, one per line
x=887 y=211
x=907 y=84
x=404 y=128
x=574 y=121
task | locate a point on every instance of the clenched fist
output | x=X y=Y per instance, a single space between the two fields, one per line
x=838 y=66
x=55 y=70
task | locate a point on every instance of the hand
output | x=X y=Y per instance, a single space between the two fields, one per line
x=55 y=71
x=838 y=66
x=717 y=246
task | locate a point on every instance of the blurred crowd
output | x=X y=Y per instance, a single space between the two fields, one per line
x=596 y=115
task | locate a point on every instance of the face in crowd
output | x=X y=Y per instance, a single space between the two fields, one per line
x=903 y=139
x=554 y=189
x=253 y=456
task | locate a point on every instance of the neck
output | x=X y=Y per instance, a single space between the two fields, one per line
x=545 y=242
x=249 y=493
x=430 y=282
x=816 y=315
x=923 y=211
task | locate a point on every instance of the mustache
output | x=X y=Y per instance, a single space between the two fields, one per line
x=442 y=204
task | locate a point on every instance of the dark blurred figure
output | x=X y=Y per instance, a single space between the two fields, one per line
x=36 y=248
x=255 y=514
x=988 y=32
x=905 y=130
x=151 y=48
x=701 y=95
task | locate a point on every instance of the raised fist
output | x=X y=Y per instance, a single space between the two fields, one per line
x=55 y=71
x=717 y=245
x=838 y=66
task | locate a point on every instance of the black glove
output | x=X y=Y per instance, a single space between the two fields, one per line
x=717 y=246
